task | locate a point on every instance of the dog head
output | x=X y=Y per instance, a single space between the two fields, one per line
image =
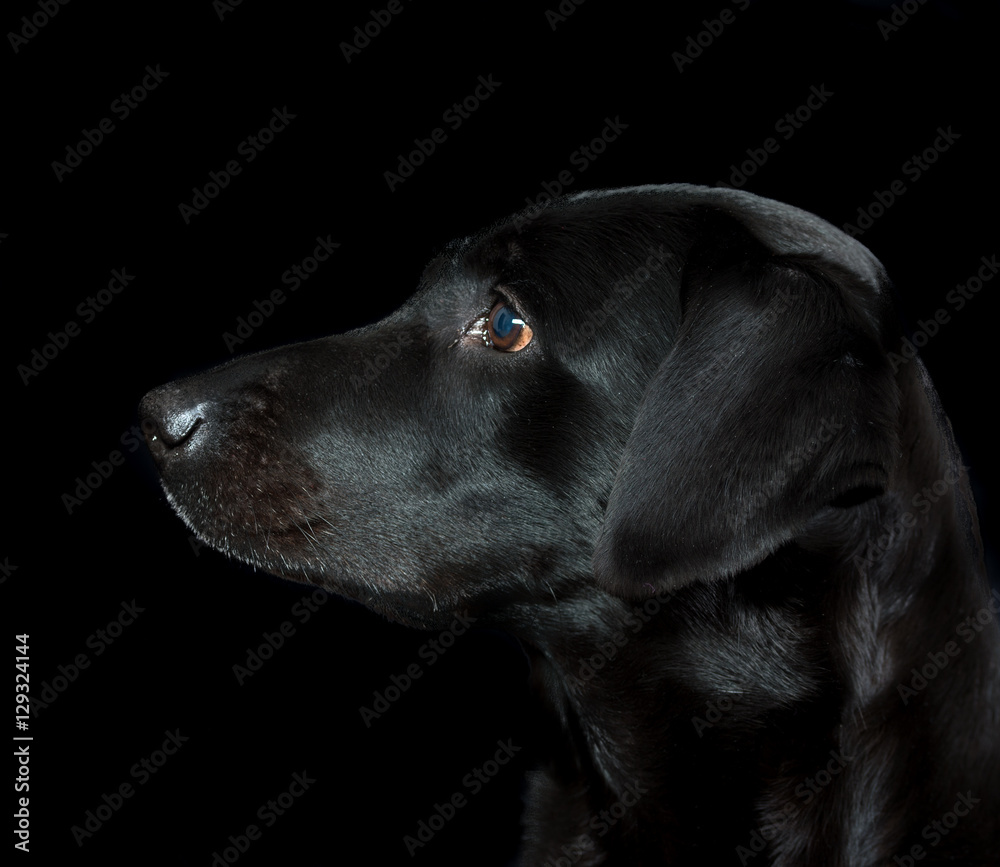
x=639 y=388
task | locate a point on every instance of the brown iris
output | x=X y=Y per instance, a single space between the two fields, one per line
x=505 y=329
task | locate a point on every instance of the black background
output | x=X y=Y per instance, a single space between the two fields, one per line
x=324 y=176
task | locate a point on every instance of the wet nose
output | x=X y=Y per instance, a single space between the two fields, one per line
x=171 y=421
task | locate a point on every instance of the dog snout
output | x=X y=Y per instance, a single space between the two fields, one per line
x=170 y=422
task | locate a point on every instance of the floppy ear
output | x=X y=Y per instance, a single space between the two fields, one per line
x=775 y=400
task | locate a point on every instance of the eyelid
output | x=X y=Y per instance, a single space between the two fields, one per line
x=505 y=292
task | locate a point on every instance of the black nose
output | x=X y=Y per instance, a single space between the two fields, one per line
x=171 y=421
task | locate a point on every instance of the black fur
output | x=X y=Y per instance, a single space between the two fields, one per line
x=722 y=511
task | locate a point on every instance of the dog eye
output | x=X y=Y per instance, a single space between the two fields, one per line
x=505 y=329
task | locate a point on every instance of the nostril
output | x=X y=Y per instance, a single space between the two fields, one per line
x=169 y=421
x=173 y=431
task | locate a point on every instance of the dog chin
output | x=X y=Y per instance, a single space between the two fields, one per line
x=407 y=601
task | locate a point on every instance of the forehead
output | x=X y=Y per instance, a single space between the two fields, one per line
x=598 y=285
x=577 y=251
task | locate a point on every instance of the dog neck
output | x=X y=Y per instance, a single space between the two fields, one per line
x=668 y=695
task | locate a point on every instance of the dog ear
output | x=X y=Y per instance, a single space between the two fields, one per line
x=775 y=400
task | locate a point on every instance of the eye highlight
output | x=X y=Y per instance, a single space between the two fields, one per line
x=505 y=330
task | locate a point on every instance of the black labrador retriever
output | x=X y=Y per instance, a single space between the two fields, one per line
x=671 y=438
